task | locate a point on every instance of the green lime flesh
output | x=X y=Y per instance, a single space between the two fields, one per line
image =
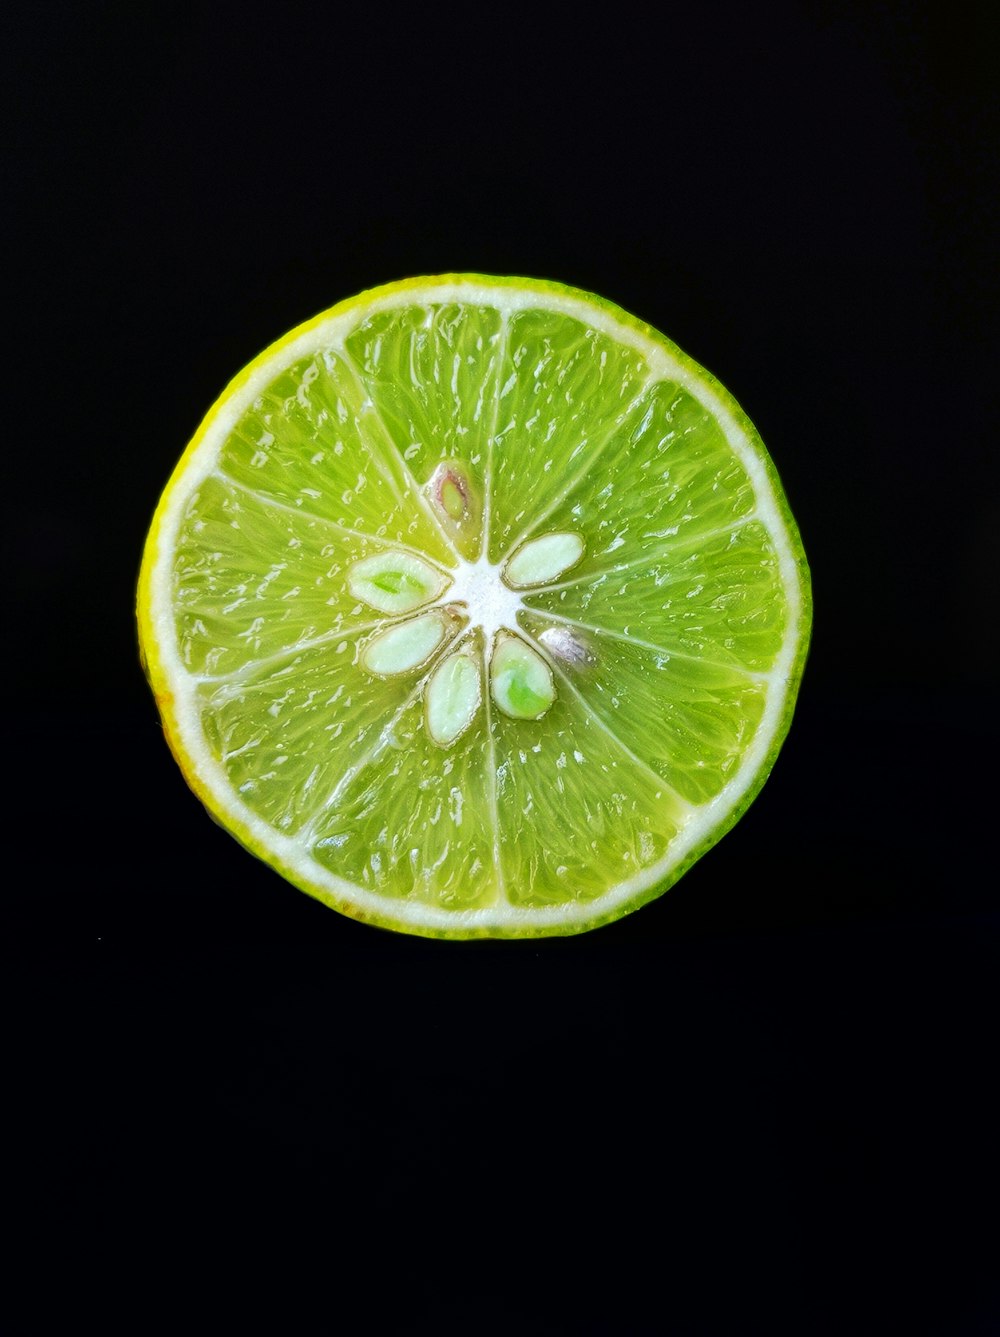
x=679 y=607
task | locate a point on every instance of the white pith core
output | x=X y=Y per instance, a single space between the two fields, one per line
x=490 y=603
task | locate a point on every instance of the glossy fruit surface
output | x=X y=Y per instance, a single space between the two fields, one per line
x=475 y=608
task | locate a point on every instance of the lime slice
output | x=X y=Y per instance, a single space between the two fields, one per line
x=475 y=608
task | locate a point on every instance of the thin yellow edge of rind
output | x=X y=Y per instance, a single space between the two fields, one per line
x=153 y=668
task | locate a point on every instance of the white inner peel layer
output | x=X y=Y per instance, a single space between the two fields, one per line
x=490 y=603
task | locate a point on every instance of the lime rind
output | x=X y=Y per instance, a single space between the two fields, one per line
x=176 y=698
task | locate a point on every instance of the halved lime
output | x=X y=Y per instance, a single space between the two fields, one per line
x=475 y=608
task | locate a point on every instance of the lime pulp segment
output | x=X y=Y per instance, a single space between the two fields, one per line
x=476 y=608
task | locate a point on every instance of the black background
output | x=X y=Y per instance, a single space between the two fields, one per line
x=762 y=1101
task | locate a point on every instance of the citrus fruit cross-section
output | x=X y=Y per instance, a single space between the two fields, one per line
x=475 y=608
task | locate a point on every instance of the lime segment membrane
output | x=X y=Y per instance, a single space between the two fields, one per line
x=476 y=609
x=251 y=579
x=312 y=440
x=411 y=824
x=567 y=387
x=718 y=601
x=431 y=372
